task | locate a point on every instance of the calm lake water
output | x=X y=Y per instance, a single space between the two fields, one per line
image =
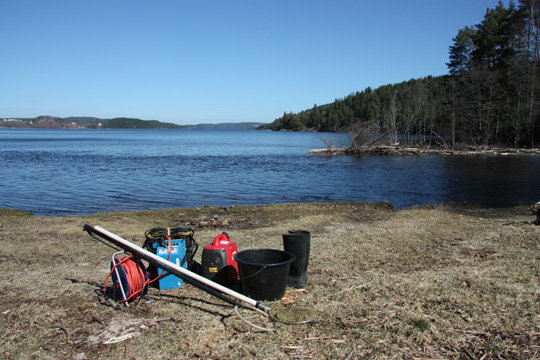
x=77 y=172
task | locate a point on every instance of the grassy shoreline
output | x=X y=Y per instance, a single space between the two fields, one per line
x=441 y=281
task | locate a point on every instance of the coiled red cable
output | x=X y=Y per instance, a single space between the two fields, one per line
x=137 y=277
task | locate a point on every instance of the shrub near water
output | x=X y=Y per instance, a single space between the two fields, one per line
x=435 y=282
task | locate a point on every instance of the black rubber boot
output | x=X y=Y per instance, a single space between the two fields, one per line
x=297 y=242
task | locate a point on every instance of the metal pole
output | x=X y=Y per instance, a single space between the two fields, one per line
x=118 y=276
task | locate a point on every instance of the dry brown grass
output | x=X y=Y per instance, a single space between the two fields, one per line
x=439 y=282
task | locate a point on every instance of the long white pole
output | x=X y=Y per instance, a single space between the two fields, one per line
x=175 y=269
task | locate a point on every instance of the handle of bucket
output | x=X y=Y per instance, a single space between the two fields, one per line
x=221 y=237
x=256 y=272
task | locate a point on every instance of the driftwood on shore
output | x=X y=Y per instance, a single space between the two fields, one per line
x=399 y=150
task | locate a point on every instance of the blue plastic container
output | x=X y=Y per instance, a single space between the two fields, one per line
x=177 y=254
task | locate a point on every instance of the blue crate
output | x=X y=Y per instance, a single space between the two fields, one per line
x=178 y=253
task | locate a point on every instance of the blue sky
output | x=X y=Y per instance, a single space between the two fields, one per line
x=206 y=61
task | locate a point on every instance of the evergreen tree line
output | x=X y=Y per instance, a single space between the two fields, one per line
x=491 y=95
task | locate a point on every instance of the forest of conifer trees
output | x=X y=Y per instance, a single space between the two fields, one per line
x=490 y=97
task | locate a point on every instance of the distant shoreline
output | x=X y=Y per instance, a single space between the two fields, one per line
x=85 y=122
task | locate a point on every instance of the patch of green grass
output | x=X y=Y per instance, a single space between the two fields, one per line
x=420 y=324
x=14 y=212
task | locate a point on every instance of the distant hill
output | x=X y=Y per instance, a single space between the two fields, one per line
x=130 y=123
x=85 y=122
x=89 y=122
x=227 y=126
x=84 y=119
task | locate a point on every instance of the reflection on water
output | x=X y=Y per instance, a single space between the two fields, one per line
x=61 y=172
x=496 y=181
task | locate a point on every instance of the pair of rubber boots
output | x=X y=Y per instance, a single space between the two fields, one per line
x=297 y=243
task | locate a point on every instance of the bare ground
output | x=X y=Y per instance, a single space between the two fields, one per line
x=437 y=282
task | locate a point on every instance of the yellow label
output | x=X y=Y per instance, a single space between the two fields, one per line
x=212 y=270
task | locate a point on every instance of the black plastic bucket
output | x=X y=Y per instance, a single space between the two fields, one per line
x=264 y=272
